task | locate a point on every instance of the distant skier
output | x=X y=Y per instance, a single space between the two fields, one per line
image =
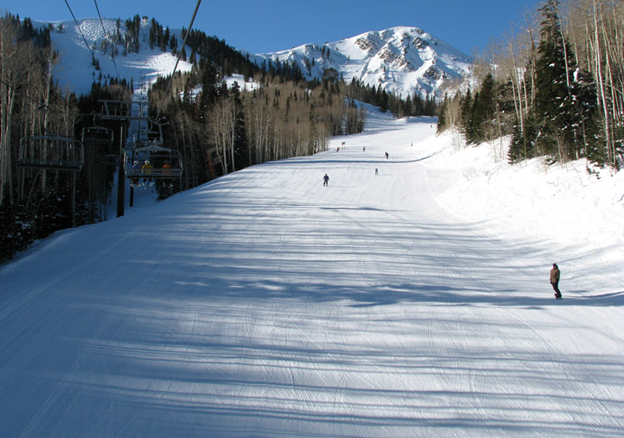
x=326 y=180
x=376 y=171
x=387 y=155
x=555 y=274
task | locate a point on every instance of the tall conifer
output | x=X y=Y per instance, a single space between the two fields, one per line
x=563 y=100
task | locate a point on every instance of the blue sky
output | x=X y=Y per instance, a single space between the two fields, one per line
x=274 y=25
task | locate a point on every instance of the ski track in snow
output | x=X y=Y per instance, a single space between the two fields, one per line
x=414 y=303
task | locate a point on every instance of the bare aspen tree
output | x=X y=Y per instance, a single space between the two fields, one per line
x=222 y=125
x=600 y=81
x=11 y=78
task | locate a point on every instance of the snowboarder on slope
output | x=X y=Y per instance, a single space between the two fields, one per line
x=326 y=180
x=555 y=274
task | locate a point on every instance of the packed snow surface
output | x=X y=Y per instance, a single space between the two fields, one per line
x=412 y=303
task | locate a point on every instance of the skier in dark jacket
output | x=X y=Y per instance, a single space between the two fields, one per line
x=326 y=180
x=555 y=274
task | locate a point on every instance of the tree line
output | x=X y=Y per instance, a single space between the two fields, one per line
x=556 y=88
x=26 y=95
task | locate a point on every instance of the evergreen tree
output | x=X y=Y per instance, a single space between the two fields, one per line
x=564 y=102
x=442 y=116
x=484 y=109
x=210 y=84
x=166 y=37
x=465 y=116
x=241 y=145
x=383 y=100
x=173 y=44
x=522 y=144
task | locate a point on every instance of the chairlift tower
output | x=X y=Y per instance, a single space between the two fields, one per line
x=119 y=111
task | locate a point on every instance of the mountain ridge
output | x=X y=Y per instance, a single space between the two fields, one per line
x=401 y=60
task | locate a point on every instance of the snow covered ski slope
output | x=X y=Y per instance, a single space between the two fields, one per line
x=412 y=303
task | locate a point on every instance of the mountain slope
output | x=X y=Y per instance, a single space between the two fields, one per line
x=402 y=60
x=76 y=71
x=411 y=303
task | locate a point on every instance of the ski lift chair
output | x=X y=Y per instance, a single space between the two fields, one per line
x=116 y=110
x=150 y=137
x=165 y=163
x=51 y=152
x=97 y=135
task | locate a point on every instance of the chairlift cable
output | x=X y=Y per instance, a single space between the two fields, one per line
x=104 y=29
x=80 y=30
x=178 y=59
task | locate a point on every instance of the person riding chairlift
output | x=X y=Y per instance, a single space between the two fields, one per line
x=147 y=171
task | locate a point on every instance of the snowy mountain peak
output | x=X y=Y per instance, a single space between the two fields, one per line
x=401 y=60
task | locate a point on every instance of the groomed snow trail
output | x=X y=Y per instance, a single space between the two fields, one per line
x=264 y=304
